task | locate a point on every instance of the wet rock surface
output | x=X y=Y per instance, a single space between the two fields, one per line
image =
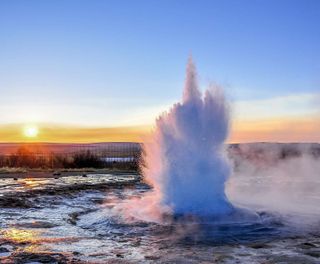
x=11 y=201
x=40 y=257
x=73 y=221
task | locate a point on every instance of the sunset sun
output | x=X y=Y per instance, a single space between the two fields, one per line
x=31 y=131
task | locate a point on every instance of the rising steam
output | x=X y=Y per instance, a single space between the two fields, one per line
x=184 y=160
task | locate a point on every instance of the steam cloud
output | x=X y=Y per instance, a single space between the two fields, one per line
x=265 y=179
x=184 y=160
x=185 y=163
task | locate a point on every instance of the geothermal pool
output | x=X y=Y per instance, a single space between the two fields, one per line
x=73 y=220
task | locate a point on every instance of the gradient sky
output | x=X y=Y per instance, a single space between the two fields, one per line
x=91 y=65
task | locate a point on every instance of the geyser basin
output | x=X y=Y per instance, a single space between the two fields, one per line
x=72 y=220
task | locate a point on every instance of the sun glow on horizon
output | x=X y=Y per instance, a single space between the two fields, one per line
x=303 y=129
x=31 y=131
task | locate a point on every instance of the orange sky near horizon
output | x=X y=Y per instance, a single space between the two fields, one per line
x=268 y=130
x=276 y=130
x=73 y=134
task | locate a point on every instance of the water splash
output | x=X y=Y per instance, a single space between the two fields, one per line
x=184 y=159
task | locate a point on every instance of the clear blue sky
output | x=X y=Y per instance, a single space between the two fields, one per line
x=127 y=56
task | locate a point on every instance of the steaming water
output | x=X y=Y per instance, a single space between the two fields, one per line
x=184 y=161
x=83 y=225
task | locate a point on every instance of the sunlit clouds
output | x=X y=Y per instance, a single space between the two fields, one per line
x=293 y=118
x=304 y=129
x=104 y=112
x=291 y=106
x=74 y=134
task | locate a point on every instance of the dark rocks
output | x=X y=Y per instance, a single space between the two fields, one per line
x=152 y=257
x=221 y=258
x=36 y=224
x=12 y=200
x=98 y=200
x=56 y=173
x=15 y=202
x=290 y=259
x=259 y=245
x=119 y=253
x=73 y=218
x=3 y=250
x=307 y=245
x=315 y=253
x=28 y=257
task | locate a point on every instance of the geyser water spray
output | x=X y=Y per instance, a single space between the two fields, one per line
x=184 y=159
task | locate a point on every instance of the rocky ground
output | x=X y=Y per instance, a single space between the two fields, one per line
x=71 y=220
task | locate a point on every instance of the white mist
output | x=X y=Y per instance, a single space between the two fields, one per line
x=184 y=160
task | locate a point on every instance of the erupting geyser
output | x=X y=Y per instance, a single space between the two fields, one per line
x=184 y=160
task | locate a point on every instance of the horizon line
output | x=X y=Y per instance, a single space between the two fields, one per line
x=136 y=142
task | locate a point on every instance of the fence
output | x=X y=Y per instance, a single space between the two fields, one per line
x=69 y=155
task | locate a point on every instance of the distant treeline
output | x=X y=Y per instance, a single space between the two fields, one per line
x=255 y=153
x=25 y=158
